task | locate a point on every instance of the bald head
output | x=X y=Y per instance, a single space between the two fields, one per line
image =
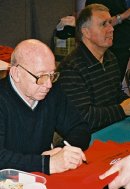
x=30 y=61
x=28 y=50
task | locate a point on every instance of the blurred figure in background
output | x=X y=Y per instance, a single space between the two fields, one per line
x=80 y=4
x=120 y=12
x=90 y=75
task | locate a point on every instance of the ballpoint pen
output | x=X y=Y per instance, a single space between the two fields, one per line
x=67 y=144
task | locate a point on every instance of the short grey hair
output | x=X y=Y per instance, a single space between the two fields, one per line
x=14 y=58
x=84 y=18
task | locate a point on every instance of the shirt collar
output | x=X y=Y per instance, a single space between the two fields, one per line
x=93 y=60
x=16 y=90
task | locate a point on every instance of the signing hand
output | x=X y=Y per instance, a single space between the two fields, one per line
x=52 y=152
x=68 y=158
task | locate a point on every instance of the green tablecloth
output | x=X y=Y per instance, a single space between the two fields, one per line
x=119 y=132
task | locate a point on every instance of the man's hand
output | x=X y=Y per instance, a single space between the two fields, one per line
x=123 y=178
x=126 y=106
x=52 y=152
x=68 y=158
x=68 y=20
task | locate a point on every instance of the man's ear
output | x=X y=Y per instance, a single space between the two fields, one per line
x=14 y=72
x=85 y=32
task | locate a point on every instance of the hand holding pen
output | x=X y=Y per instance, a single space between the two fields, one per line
x=67 y=144
x=69 y=157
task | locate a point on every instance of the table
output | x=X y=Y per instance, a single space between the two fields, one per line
x=119 y=132
x=100 y=155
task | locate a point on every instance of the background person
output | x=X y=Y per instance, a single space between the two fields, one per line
x=120 y=12
x=30 y=113
x=90 y=75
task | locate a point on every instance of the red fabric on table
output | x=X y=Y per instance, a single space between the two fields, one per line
x=99 y=157
x=5 y=53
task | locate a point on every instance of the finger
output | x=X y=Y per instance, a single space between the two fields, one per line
x=72 y=166
x=76 y=153
x=56 y=150
x=46 y=153
x=111 y=171
x=73 y=149
x=72 y=157
x=52 y=152
x=76 y=160
x=127 y=186
x=115 y=184
x=83 y=156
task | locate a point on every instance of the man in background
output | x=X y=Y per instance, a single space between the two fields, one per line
x=120 y=12
x=90 y=75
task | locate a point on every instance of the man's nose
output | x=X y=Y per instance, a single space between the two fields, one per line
x=111 y=28
x=48 y=83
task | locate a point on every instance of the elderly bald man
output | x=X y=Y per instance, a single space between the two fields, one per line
x=30 y=113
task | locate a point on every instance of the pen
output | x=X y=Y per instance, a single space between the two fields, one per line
x=67 y=144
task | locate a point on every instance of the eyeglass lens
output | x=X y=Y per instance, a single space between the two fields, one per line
x=44 y=78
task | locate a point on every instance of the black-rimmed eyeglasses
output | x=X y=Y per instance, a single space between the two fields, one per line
x=43 y=78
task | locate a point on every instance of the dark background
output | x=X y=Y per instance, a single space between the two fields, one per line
x=23 y=19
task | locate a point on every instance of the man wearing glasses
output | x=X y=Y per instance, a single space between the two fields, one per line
x=30 y=114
